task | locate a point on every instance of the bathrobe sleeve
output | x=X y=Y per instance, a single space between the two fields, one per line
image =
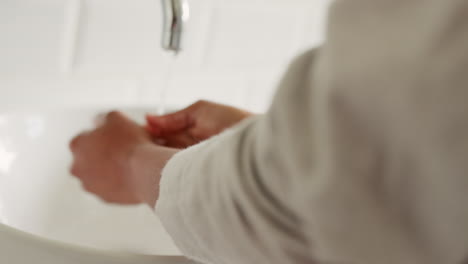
x=361 y=157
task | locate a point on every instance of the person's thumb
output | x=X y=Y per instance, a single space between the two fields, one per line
x=170 y=123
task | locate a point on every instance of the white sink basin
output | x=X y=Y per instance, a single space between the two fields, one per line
x=39 y=196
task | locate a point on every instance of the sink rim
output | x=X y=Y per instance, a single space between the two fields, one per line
x=47 y=242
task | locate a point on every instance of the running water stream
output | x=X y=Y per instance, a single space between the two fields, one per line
x=164 y=89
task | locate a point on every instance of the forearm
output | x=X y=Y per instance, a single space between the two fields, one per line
x=214 y=200
x=145 y=161
x=231 y=198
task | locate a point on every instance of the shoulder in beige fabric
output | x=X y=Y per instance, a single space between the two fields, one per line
x=362 y=158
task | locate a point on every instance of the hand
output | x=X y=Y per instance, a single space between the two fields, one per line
x=193 y=124
x=119 y=162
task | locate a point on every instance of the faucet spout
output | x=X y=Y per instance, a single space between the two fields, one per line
x=175 y=15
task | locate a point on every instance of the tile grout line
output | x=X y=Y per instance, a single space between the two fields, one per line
x=70 y=35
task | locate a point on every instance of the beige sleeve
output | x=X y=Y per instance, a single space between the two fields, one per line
x=360 y=159
x=231 y=199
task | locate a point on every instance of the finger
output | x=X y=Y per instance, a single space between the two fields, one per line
x=75 y=142
x=78 y=169
x=161 y=125
x=74 y=170
x=180 y=140
x=114 y=115
x=100 y=119
x=153 y=131
x=116 y=119
x=170 y=123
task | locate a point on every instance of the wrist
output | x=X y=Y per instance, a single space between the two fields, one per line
x=147 y=163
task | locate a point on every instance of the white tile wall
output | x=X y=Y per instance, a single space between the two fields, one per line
x=107 y=52
x=266 y=33
x=30 y=32
x=119 y=36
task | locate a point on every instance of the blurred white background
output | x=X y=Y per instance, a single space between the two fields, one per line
x=107 y=53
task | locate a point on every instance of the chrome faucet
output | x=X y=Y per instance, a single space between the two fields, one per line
x=175 y=15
